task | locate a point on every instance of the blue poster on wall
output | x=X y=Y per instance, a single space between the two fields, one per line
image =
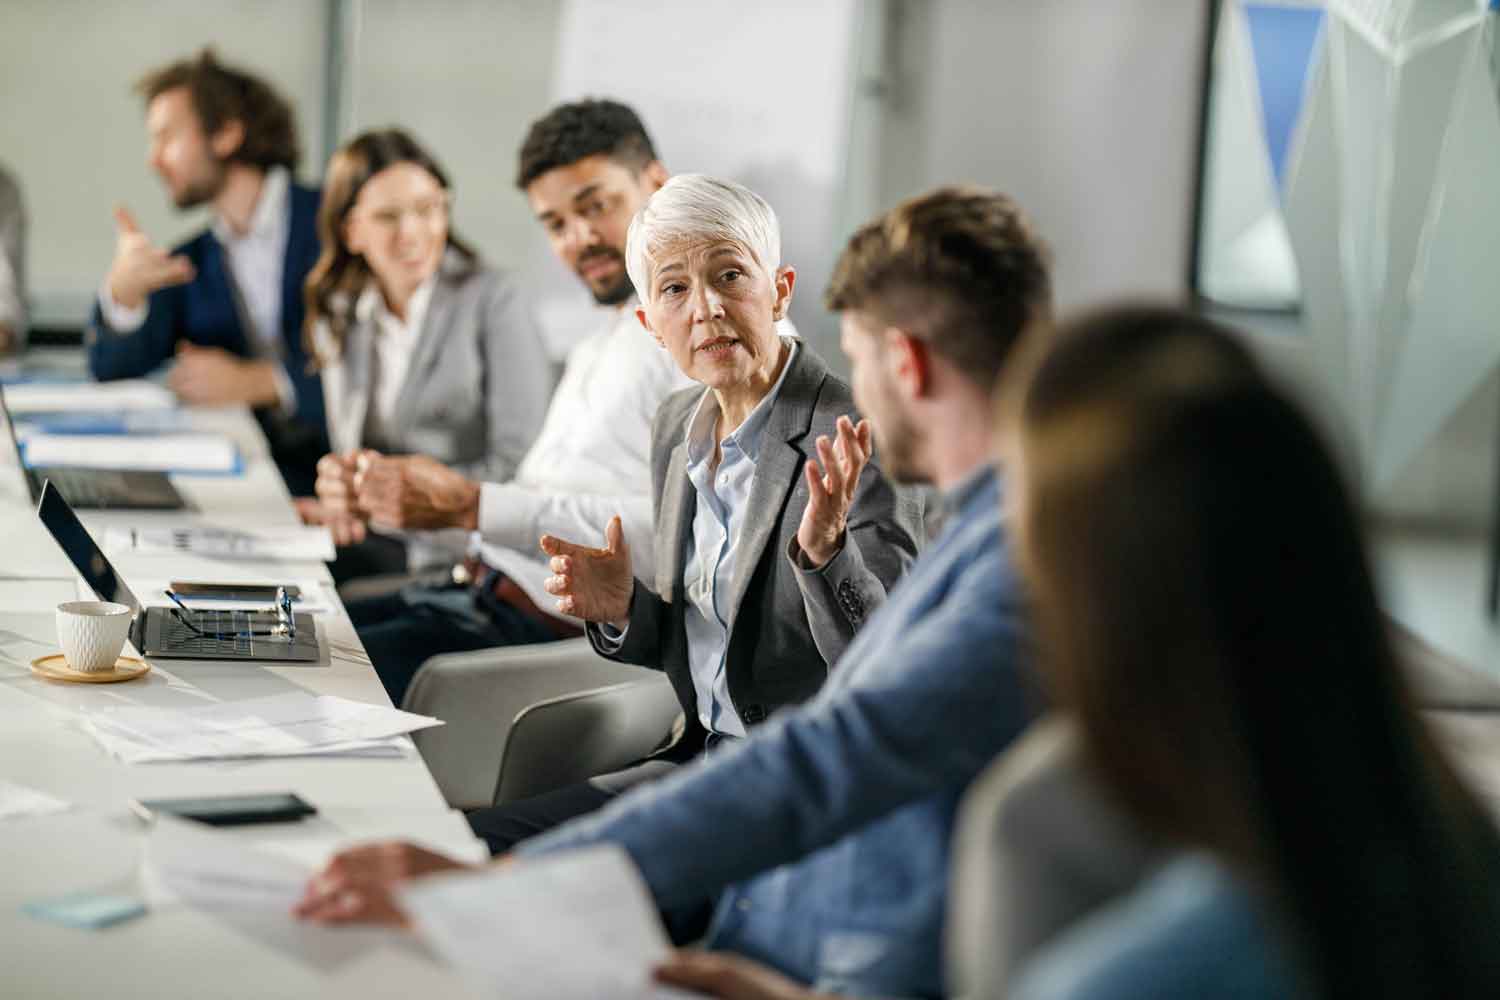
x=1283 y=39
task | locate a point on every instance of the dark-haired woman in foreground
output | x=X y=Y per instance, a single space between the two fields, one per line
x=1209 y=620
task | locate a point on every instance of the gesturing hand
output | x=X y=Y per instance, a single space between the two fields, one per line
x=356 y=886
x=140 y=267
x=414 y=492
x=593 y=584
x=831 y=490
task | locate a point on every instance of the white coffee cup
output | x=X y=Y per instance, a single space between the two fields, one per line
x=92 y=633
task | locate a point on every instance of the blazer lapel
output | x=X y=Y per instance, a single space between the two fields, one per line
x=346 y=390
x=428 y=349
x=219 y=289
x=678 y=503
x=777 y=468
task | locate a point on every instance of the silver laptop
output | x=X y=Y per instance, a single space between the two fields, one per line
x=120 y=489
x=165 y=632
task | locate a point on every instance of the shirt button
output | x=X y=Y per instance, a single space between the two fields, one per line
x=743 y=905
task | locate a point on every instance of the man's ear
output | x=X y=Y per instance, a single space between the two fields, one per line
x=227 y=141
x=640 y=315
x=654 y=175
x=909 y=362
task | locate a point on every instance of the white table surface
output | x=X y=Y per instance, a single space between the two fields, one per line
x=177 y=951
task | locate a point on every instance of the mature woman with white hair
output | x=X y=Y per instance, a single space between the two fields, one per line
x=774 y=542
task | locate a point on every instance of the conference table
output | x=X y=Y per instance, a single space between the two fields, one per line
x=96 y=846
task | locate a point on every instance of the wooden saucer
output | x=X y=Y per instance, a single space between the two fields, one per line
x=55 y=667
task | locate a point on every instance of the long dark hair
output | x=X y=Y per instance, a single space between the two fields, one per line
x=1207 y=610
x=338 y=277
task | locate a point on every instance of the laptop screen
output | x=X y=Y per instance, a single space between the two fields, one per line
x=81 y=550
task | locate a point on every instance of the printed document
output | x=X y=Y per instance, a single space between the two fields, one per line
x=579 y=925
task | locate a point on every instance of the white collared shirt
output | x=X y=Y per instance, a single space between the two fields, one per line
x=590 y=461
x=394 y=342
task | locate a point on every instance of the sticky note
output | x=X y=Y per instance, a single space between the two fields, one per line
x=85 y=910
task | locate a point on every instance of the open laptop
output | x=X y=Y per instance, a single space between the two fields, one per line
x=167 y=632
x=120 y=489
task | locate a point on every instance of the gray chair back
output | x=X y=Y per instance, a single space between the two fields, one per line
x=574 y=737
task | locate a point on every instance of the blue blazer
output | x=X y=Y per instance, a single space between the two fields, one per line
x=203 y=312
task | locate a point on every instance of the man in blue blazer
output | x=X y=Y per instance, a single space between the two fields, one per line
x=227 y=304
x=822 y=838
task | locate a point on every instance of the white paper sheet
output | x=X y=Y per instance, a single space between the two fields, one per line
x=70 y=397
x=575 y=925
x=305 y=542
x=18 y=800
x=202 y=453
x=293 y=724
x=189 y=863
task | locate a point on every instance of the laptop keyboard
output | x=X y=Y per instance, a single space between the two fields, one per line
x=89 y=490
x=178 y=638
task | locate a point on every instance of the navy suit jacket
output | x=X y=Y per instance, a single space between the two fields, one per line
x=203 y=311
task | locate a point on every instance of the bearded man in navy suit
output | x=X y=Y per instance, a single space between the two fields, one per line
x=227 y=304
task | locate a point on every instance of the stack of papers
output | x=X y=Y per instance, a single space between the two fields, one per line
x=70 y=397
x=196 y=453
x=102 y=422
x=304 y=542
x=573 y=925
x=297 y=724
x=18 y=800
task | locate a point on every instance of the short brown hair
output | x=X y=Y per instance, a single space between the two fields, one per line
x=958 y=267
x=222 y=94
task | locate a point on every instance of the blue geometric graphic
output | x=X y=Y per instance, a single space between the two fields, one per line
x=1283 y=39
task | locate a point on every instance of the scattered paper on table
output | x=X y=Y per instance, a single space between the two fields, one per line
x=574 y=925
x=18 y=800
x=307 y=542
x=70 y=397
x=187 y=862
x=285 y=725
x=189 y=453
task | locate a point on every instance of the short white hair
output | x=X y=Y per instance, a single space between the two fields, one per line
x=693 y=209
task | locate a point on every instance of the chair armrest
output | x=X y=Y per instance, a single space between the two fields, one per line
x=479 y=694
x=574 y=737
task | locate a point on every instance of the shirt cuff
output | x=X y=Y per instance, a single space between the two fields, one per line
x=506 y=516
x=608 y=637
x=120 y=319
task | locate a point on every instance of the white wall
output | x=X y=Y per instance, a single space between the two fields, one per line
x=72 y=129
x=467 y=79
x=1085 y=111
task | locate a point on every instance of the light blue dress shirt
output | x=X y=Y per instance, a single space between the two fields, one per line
x=723 y=494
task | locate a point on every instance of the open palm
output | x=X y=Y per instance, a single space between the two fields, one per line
x=592 y=584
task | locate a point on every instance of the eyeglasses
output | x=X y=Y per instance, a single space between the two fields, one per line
x=426 y=211
x=285 y=628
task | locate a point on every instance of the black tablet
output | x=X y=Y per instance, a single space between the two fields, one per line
x=228 y=810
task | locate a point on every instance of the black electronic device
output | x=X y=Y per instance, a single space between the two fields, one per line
x=263 y=593
x=228 y=810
